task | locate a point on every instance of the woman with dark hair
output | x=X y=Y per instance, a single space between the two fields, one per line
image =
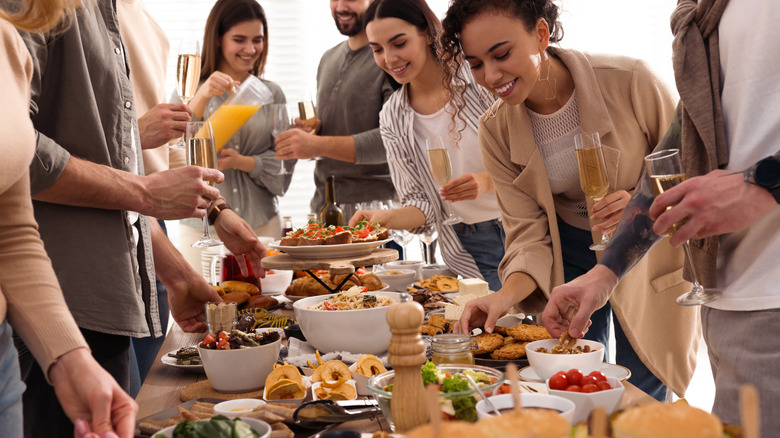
x=235 y=46
x=548 y=95
x=404 y=36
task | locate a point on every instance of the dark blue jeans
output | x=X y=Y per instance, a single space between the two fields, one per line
x=579 y=259
x=484 y=241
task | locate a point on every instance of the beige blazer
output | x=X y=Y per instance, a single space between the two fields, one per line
x=622 y=100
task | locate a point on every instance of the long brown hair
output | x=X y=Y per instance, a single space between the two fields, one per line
x=224 y=15
x=39 y=15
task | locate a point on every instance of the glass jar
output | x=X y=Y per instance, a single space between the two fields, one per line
x=452 y=348
x=287 y=225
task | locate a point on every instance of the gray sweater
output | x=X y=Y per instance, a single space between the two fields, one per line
x=351 y=90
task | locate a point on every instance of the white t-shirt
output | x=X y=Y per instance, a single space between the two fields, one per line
x=749 y=260
x=464 y=158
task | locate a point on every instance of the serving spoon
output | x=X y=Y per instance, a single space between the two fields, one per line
x=484 y=397
x=320 y=413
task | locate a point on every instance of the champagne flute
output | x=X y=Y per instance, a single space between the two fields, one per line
x=593 y=174
x=307 y=112
x=427 y=238
x=187 y=74
x=199 y=137
x=281 y=122
x=665 y=171
x=441 y=169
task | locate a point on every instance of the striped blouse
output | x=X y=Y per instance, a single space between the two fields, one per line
x=411 y=173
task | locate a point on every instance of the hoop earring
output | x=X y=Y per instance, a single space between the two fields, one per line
x=548 y=76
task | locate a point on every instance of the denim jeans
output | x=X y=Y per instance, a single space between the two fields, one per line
x=11 y=385
x=484 y=241
x=579 y=259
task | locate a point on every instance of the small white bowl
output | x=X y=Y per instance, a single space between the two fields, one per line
x=431 y=270
x=397 y=279
x=277 y=282
x=609 y=399
x=415 y=265
x=316 y=385
x=547 y=364
x=262 y=428
x=237 y=407
x=564 y=406
x=241 y=370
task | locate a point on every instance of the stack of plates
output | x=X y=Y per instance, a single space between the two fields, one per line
x=206 y=255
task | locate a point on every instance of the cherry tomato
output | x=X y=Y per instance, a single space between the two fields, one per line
x=589 y=387
x=210 y=339
x=575 y=376
x=603 y=385
x=559 y=381
x=223 y=344
x=505 y=389
x=588 y=380
x=574 y=388
x=223 y=336
x=600 y=377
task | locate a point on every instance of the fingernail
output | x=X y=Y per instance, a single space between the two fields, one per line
x=574 y=332
x=81 y=427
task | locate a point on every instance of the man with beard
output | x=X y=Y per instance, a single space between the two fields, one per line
x=351 y=90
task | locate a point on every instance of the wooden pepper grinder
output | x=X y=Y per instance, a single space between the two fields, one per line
x=406 y=356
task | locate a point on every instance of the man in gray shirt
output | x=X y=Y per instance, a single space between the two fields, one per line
x=351 y=90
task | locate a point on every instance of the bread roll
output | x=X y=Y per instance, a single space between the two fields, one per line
x=240 y=286
x=261 y=301
x=238 y=297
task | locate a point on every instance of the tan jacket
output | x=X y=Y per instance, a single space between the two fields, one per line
x=631 y=109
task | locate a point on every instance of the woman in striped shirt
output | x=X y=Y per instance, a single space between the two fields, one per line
x=404 y=37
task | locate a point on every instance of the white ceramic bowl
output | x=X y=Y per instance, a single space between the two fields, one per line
x=564 y=406
x=241 y=370
x=431 y=270
x=276 y=283
x=415 y=265
x=355 y=331
x=237 y=407
x=547 y=364
x=262 y=428
x=609 y=399
x=397 y=279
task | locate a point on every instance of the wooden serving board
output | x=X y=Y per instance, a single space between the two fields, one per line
x=337 y=266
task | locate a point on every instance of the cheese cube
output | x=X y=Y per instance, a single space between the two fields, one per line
x=473 y=286
x=452 y=312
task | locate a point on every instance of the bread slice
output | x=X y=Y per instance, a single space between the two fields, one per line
x=338 y=238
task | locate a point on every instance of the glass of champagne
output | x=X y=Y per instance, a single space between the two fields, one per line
x=593 y=174
x=665 y=171
x=199 y=138
x=441 y=169
x=187 y=74
x=281 y=122
x=307 y=113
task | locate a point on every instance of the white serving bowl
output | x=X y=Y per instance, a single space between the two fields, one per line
x=547 y=364
x=277 y=282
x=609 y=399
x=262 y=428
x=237 y=407
x=431 y=270
x=355 y=331
x=241 y=370
x=564 y=406
x=397 y=279
x=415 y=265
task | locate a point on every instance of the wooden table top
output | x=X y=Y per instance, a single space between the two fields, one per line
x=163 y=384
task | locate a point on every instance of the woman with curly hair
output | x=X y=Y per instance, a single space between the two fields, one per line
x=404 y=36
x=548 y=95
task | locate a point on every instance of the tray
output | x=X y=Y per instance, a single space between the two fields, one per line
x=336 y=266
x=329 y=251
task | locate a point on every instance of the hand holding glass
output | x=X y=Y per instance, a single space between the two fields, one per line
x=199 y=138
x=187 y=73
x=441 y=169
x=593 y=174
x=665 y=171
x=281 y=123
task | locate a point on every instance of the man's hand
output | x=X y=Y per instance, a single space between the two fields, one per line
x=467 y=186
x=296 y=143
x=716 y=203
x=162 y=124
x=572 y=304
x=179 y=193
x=308 y=125
x=240 y=239
x=91 y=398
x=186 y=299
x=607 y=212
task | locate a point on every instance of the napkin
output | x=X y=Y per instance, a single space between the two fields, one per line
x=298 y=352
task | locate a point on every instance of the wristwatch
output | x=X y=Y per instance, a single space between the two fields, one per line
x=768 y=176
x=216 y=209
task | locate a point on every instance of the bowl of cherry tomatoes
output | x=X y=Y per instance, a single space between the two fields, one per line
x=587 y=391
x=583 y=355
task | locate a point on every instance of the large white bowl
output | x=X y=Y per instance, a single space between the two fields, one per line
x=241 y=370
x=355 y=331
x=262 y=428
x=276 y=283
x=564 y=406
x=547 y=364
x=397 y=279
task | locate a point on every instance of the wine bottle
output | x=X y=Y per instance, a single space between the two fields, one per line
x=331 y=214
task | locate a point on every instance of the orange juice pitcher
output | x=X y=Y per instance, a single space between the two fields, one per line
x=238 y=108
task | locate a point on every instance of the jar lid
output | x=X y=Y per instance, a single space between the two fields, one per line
x=451 y=338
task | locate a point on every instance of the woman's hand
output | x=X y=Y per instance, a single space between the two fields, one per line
x=484 y=312
x=466 y=187
x=607 y=212
x=231 y=159
x=216 y=85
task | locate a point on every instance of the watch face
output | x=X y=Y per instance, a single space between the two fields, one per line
x=768 y=172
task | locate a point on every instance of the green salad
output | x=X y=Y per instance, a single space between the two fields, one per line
x=218 y=427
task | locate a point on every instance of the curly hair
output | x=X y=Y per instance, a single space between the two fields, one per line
x=420 y=15
x=460 y=12
x=41 y=15
x=224 y=15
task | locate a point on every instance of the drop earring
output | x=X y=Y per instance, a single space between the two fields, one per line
x=547 y=74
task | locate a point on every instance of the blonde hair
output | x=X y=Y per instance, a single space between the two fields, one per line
x=40 y=15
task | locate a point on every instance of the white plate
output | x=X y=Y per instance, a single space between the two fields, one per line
x=329 y=251
x=171 y=362
x=297 y=297
x=609 y=369
x=261 y=427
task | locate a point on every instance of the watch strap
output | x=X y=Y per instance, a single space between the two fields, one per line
x=767 y=175
x=216 y=208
